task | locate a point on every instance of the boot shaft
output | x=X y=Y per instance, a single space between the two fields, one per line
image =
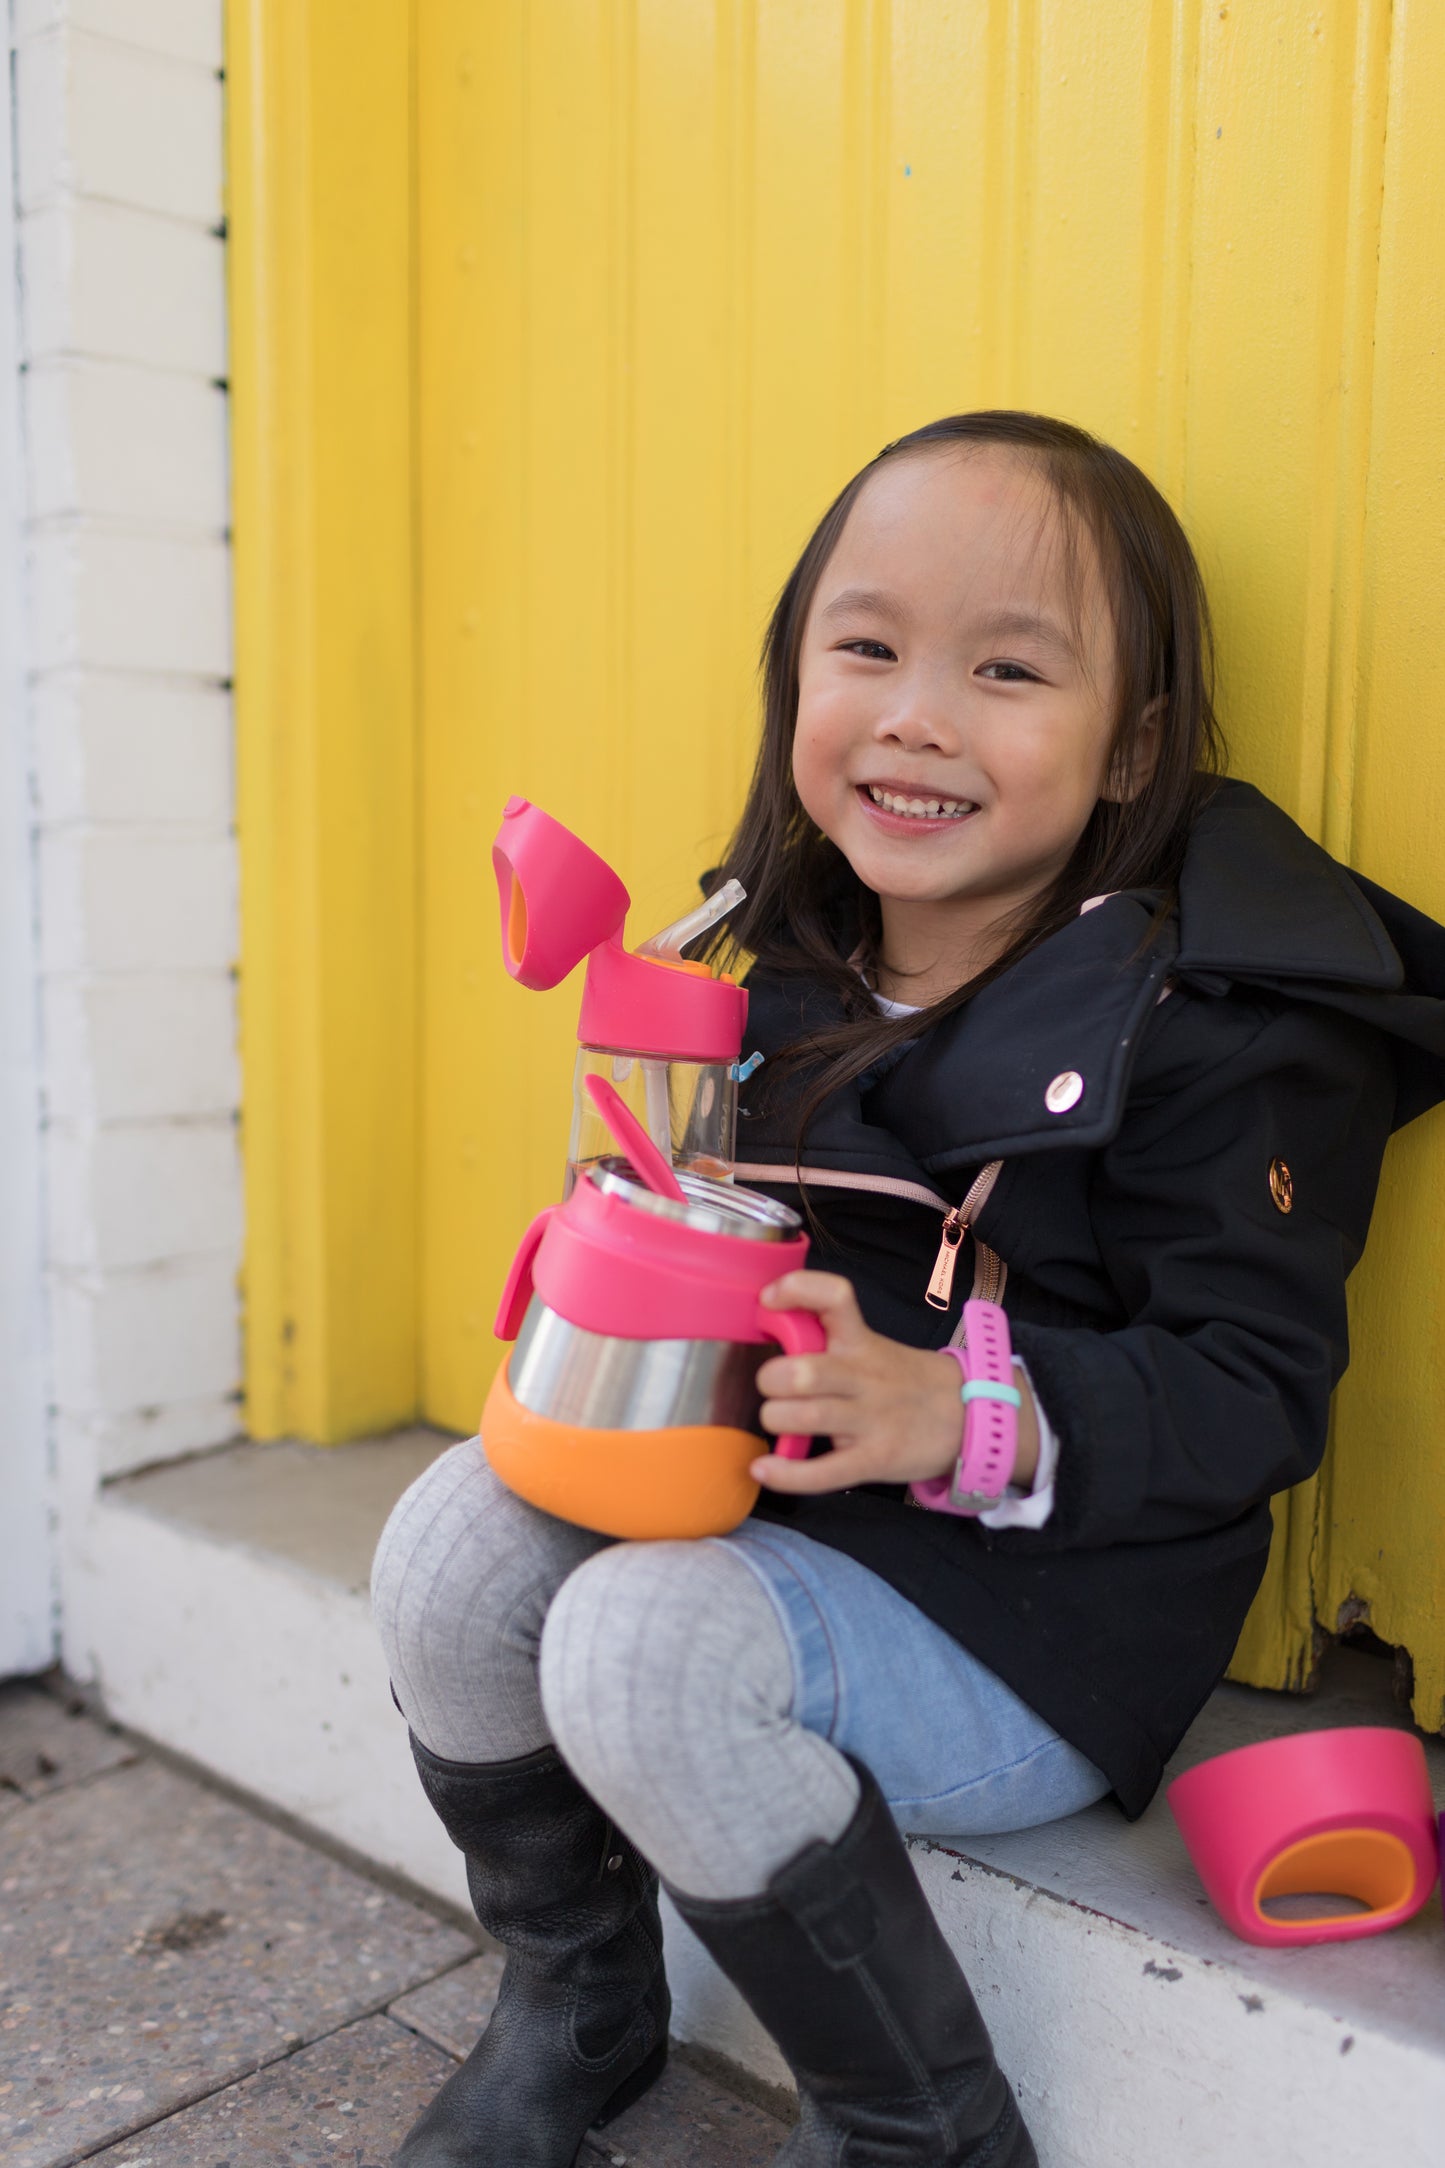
x=846 y=1966
x=549 y=1875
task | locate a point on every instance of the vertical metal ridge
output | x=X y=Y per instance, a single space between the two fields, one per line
x=867 y=77
x=1006 y=211
x=526 y=339
x=619 y=92
x=1024 y=57
x=739 y=136
x=1348 y=255
x=1361 y=210
x=855 y=313
x=881 y=199
x=1378 y=1556
x=1168 y=239
x=320 y=290
x=994 y=203
x=416 y=1153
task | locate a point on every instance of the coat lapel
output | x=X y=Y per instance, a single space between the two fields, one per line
x=1040 y=1060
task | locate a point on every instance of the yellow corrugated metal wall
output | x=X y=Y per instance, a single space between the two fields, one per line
x=679 y=267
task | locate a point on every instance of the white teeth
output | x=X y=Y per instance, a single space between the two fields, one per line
x=920 y=808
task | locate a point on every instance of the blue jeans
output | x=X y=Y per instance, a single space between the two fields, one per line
x=954 y=1750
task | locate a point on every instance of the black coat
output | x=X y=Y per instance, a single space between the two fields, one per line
x=1183 y=1333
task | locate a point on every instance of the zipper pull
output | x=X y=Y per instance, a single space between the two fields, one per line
x=940 y=1287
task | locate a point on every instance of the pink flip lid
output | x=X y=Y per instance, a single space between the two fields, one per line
x=558 y=898
x=561 y=902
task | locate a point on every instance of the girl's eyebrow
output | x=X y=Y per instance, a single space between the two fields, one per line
x=874 y=601
x=1025 y=624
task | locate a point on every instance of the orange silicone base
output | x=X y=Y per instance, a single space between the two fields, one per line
x=648 y=1484
x=1371 y=1865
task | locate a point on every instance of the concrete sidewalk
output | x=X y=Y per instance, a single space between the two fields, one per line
x=185 y=1983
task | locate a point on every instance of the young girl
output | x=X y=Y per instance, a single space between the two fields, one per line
x=1025 y=966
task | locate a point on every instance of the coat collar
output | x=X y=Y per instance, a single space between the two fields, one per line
x=1259 y=900
x=1258 y=903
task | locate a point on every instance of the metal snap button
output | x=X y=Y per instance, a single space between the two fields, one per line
x=614 y=1863
x=1066 y=1091
x=1281 y=1185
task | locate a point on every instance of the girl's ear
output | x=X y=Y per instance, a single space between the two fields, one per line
x=1132 y=770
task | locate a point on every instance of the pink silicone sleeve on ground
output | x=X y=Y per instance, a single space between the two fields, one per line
x=1240 y=1810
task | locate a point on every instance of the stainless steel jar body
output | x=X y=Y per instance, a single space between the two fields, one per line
x=601 y=1381
x=597 y=1381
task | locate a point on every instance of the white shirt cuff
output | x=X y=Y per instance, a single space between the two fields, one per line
x=1029 y=1508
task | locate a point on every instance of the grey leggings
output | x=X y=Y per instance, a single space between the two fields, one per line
x=660 y=1671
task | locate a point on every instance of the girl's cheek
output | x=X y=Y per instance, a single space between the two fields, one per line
x=816 y=766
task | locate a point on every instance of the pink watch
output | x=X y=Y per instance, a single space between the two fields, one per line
x=991 y=1403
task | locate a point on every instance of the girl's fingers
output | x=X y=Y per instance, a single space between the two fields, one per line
x=818 y=1418
x=803 y=1377
x=827 y=1294
x=837 y=1470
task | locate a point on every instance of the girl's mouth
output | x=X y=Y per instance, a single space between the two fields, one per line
x=899 y=810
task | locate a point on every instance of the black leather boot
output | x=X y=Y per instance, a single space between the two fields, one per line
x=580 y=2027
x=845 y=1964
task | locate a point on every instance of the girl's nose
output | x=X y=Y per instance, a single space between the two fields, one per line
x=921 y=726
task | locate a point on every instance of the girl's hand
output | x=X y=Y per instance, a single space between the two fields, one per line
x=893 y=1412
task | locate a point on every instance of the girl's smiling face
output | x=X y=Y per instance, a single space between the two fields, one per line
x=956 y=703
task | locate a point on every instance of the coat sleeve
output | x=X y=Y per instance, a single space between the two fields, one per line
x=1216 y=1392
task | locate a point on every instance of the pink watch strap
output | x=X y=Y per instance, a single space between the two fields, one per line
x=991 y=1402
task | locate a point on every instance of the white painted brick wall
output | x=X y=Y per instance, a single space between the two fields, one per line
x=131 y=898
x=129 y=1341
x=123 y=285
x=116 y=748
x=112 y=598
x=178 y=29
x=141 y=1193
x=125 y=437
x=119 y=190
x=112 y=124
x=101 y=1032
x=28 y=1497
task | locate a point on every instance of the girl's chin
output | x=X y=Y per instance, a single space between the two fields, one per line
x=917 y=876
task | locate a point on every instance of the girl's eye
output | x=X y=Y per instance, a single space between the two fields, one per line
x=1008 y=673
x=870 y=650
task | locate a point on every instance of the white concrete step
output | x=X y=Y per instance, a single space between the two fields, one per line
x=228 y=1620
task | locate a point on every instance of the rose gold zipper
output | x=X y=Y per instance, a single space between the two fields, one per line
x=990 y=1271
x=990 y=1275
x=955 y=1226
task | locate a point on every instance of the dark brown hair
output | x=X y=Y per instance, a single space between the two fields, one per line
x=809 y=916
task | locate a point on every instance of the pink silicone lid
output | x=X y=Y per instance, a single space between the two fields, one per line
x=559 y=900
x=652 y=1008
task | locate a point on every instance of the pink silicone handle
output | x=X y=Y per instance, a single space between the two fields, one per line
x=797 y=1332
x=632 y=1139
x=518 y=1291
